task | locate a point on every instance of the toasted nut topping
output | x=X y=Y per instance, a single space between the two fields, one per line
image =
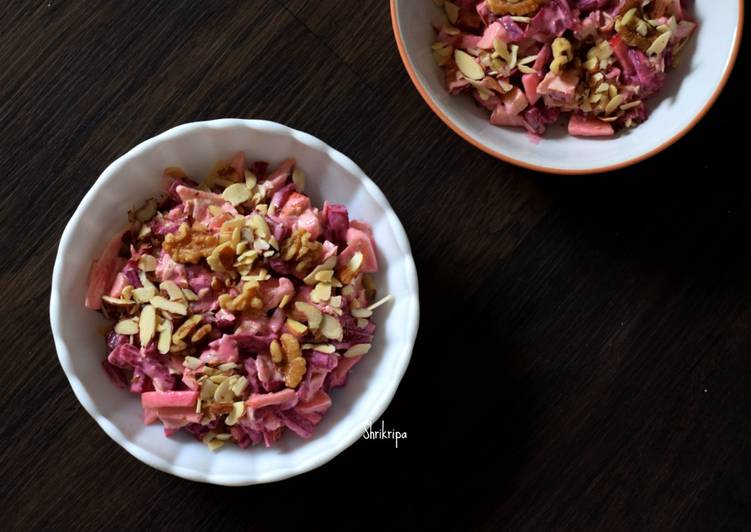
x=174 y=291
x=126 y=327
x=452 y=11
x=331 y=328
x=321 y=292
x=191 y=362
x=143 y=295
x=298 y=179
x=147 y=211
x=236 y=194
x=116 y=301
x=362 y=312
x=186 y=328
x=147 y=263
x=239 y=386
x=467 y=65
x=165 y=337
x=201 y=333
x=208 y=388
x=173 y=307
x=357 y=350
x=328 y=264
x=323 y=348
x=380 y=302
x=296 y=327
x=313 y=315
x=238 y=409
x=223 y=393
x=513 y=7
x=352 y=268
x=147 y=324
x=276 y=352
x=189 y=245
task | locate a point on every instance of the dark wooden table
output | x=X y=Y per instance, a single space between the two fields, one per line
x=584 y=357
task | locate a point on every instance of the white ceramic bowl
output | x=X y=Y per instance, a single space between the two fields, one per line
x=691 y=90
x=135 y=177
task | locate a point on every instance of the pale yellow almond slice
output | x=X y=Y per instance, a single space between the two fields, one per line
x=331 y=328
x=321 y=348
x=143 y=294
x=321 y=292
x=147 y=212
x=313 y=315
x=236 y=194
x=250 y=179
x=238 y=387
x=208 y=388
x=296 y=327
x=147 y=263
x=298 y=179
x=165 y=337
x=191 y=362
x=380 y=302
x=215 y=444
x=145 y=280
x=126 y=327
x=174 y=291
x=468 y=66
x=328 y=264
x=357 y=350
x=173 y=307
x=452 y=11
x=238 y=409
x=659 y=44
x=324 y=276
x=362 y=312
x=116 y=301
x=223 y=393
x=362 y=323
x=147 y=324
x=335 y=301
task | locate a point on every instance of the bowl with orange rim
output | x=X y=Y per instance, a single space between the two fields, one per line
x=691 y=87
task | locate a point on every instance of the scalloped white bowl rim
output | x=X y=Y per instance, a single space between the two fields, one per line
x=399 y=355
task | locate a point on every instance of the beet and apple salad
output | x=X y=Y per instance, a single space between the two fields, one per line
x=236 y=306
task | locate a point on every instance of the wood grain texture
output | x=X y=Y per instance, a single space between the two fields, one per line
x=583 y=358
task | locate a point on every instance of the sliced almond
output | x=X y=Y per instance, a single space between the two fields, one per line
x=173 y=307
x=380 y=302
x=208 y=388
x=362 y=323
x=321 y=292
x=147 y=324
x=659 y=44
x=250 y=179
x=452 y=11
x=236 y=194
x=331 y=328
x=238 y=409
x=324 y=276
x=147 y=211
x=147 y=263
x=467 y=64
x=191 y=362
x=336 y=301
x=328 y=264
x=357 y=350
x=322 y=348
x=313 y=315
x=362 y=312
x=143 y=294
x=116 y=301
x=238 y=387
x=126 y=327
x=296 y=327
x=189 y=294
x=165 y=337
x=223 y=392
x=298 y=179
x=215 y=444
x=145 y=280
x=174 y=291
x=186 y=328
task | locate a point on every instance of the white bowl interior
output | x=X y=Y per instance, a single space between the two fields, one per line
x=690 y=87
x=137 y=176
